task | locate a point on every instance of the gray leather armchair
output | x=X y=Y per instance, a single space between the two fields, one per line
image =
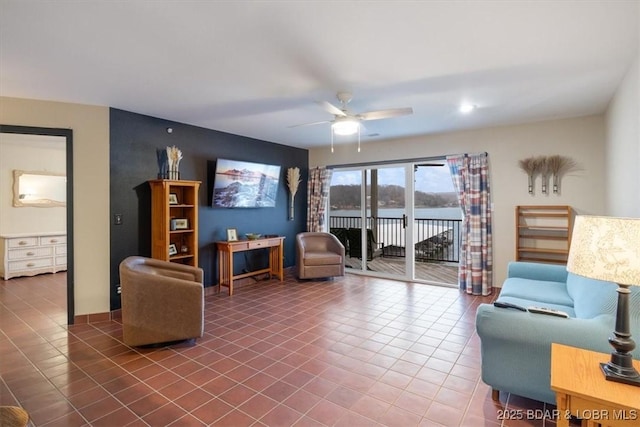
x=161 y=301
x=319 y=255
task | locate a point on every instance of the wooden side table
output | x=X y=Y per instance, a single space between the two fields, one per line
x=226 y=249
x=583 y=392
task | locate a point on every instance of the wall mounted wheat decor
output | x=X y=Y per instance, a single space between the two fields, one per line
x=543 y=169
x=293 y=180
x=530 y=166
x=545 y=165
x=559 y=165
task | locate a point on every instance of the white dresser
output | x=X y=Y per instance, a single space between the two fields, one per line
x=33 y=253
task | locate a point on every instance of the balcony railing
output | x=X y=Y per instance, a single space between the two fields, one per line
x=434 y=239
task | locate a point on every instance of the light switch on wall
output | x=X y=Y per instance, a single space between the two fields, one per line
x=117 y=219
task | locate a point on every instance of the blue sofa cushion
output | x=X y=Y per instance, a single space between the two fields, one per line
x=538 y=291
x=592 y=297
x=537 y=271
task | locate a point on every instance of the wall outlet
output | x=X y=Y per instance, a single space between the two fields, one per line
x=119 y=289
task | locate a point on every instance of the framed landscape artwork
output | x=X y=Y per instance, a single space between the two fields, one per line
x=239 y=184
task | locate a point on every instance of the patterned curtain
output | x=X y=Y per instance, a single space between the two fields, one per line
x=470 y=173
x=317 y=195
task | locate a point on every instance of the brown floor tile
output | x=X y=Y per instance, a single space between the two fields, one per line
x=44 y=415
x=119 y=417
x=399 y=417
x=237 y=395
x=193 y=399
x=326 y=412
x=211 y=411
x=279 y=391
x=444 y=414
x=354 y=351
x=281 y=415
x=413 y=403
x=70 y=419
x=164 y=415
x=235 y=418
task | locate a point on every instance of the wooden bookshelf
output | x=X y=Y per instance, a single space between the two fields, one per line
x=174 y=220
x=543 y=233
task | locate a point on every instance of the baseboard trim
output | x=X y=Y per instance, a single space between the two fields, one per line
x=117 y=314
x=94 y=317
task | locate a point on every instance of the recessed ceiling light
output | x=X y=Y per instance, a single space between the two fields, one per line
x=467 y=108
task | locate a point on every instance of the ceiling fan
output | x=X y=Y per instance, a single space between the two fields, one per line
x=348 y=123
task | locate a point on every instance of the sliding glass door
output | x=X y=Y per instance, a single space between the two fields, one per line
x=379 y=211
x=368 y=214
x=436 y=223
x=388 y=220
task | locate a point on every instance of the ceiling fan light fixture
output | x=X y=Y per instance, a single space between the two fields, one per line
x=466 y=108
x=345 y=127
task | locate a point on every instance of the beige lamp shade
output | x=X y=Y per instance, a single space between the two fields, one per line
x=606 y=248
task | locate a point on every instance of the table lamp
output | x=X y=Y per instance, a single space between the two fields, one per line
x=608 y=248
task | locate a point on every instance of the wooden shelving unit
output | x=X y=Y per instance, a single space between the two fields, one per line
x=543 y=233
x=174 y=220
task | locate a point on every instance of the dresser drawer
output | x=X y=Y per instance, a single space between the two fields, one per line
x=30 y=264
x=52 y=240
x=258 y=244
x=22 y=242
x=31 y=254
x=16 y=254
x=239 y=246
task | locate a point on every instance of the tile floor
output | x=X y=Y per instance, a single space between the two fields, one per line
x=354 y=351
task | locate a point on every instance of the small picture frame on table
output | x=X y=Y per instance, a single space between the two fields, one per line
x=179 y=224
x=232 y=235
x=173 y=250
x=173 y=199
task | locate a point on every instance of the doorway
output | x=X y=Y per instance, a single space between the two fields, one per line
x=44 y=136
x=380 y=210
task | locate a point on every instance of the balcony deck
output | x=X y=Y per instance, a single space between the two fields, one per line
x=437 y=272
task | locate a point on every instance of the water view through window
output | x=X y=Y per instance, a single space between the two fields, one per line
x=388 y=205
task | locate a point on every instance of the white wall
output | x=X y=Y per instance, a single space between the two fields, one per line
x=90 y=127
x=582 y=139
x=29 y=153
x=623 y=147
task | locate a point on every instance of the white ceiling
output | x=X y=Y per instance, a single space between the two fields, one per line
x=254 y=68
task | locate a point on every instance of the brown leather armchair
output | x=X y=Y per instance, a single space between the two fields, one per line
x=319 y=255
x=161 y=301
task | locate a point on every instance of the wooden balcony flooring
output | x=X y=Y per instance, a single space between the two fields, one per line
x=437 y=272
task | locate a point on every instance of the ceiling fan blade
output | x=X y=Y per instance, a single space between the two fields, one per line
x=385 y=114
x=309 y=124
x=332 y=108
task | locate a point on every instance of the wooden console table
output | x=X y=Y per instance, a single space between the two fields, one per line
x=226 y=250
x=583 y=392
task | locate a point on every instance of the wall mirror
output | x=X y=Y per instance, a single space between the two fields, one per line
x=41 y=189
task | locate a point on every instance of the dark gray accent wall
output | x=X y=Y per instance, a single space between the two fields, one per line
x=134 y=139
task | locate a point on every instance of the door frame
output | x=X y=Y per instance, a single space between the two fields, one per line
x=409 y=259
x=409 y=165
x=68 y=135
